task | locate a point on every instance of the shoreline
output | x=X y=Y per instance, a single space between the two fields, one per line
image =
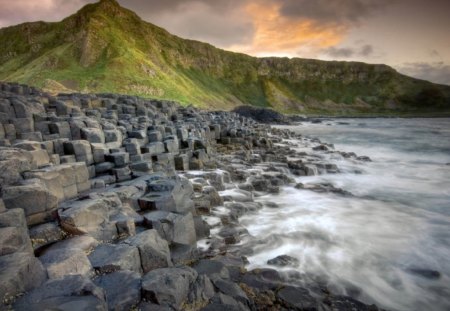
x=104 y=198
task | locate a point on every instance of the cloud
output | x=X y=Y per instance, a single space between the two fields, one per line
x=275 y=34
x=335 y=11
x=19 y=11
x=346 y=52
x=437 y=72
x=366 y=50
x=221 y=23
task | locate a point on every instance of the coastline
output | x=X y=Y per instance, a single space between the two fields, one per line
x=104 y=198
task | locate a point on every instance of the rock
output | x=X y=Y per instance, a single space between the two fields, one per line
x=88 y=216
x=297 y=298
x=153 y=250
x=93 y=135
x=122 y=289
x=283 y=260
x=425 y=273
x=45 y=234
x=63 y=262
x=183 y=254
x=168 y=286
x=343 y=303
x=231 y=289
x=81 y=149
x=13 y=162
x=14 y=233
x=214 y=269
x=19 y=272
x=226 y=303
x=108 y=258
x=83 y=242
x=173 y=227
x=33 y=197
x=263 y=115
x=69 y=293
x=119 y=159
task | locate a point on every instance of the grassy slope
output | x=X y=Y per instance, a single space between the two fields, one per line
x=92 y=51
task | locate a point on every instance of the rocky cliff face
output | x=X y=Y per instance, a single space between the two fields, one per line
x=106 y=48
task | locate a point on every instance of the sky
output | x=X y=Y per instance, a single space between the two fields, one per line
x=413 y=36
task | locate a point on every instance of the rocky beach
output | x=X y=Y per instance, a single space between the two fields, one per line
x=114 y=202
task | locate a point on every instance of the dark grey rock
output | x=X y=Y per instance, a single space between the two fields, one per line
x=69 y=293
x=283 y=260
x=63 y=262
x=297 y=298
x=168 y=286
x=153 y=250
x=108 y=258
x=19 y=272
x=122 y=289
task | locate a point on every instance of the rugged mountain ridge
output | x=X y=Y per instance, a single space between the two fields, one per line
x=107 y=48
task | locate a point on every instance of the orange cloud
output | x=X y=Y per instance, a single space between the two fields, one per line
x=275 y=34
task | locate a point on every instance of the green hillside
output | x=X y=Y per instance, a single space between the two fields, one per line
x=107 y=48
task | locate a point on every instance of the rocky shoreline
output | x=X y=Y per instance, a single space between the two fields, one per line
x=113 y=202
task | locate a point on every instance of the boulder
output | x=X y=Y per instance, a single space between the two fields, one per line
x=122 y=289
x=33 y=197
x=69 y=293
x=119 y=159
x=283 y=260
x=168 y=286
x=93 y=135
x=13 y=162
x=173 y=227
x=90 y=216
x=62 y=262
x=45 y=234
x=81 y=149
x=108 y=258
x=85 y=243
x=297 y=298
x=19 y=272
x=153 y=250
x=172 y=195
x=14 y=233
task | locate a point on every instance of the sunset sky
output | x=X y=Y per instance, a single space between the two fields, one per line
x=413 y=36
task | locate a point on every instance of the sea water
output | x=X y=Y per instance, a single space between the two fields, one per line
x=388 y=244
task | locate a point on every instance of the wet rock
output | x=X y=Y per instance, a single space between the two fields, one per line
x=168 y=286
x=263 y=279
x=173 y=227
x=122 y=289
x=153 y=250
x=296 y=298
x=343 y=303
x=214 y=269
x=283 y=260
x=323 y=188
x=69 y=293
x=224 y=302
x=231 y=289
x=425 y=273
x=183 y=254
x=108 y=258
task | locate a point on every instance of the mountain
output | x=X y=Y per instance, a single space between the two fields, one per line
x=107 y=48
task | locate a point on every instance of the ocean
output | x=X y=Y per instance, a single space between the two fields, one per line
x=389 y=243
